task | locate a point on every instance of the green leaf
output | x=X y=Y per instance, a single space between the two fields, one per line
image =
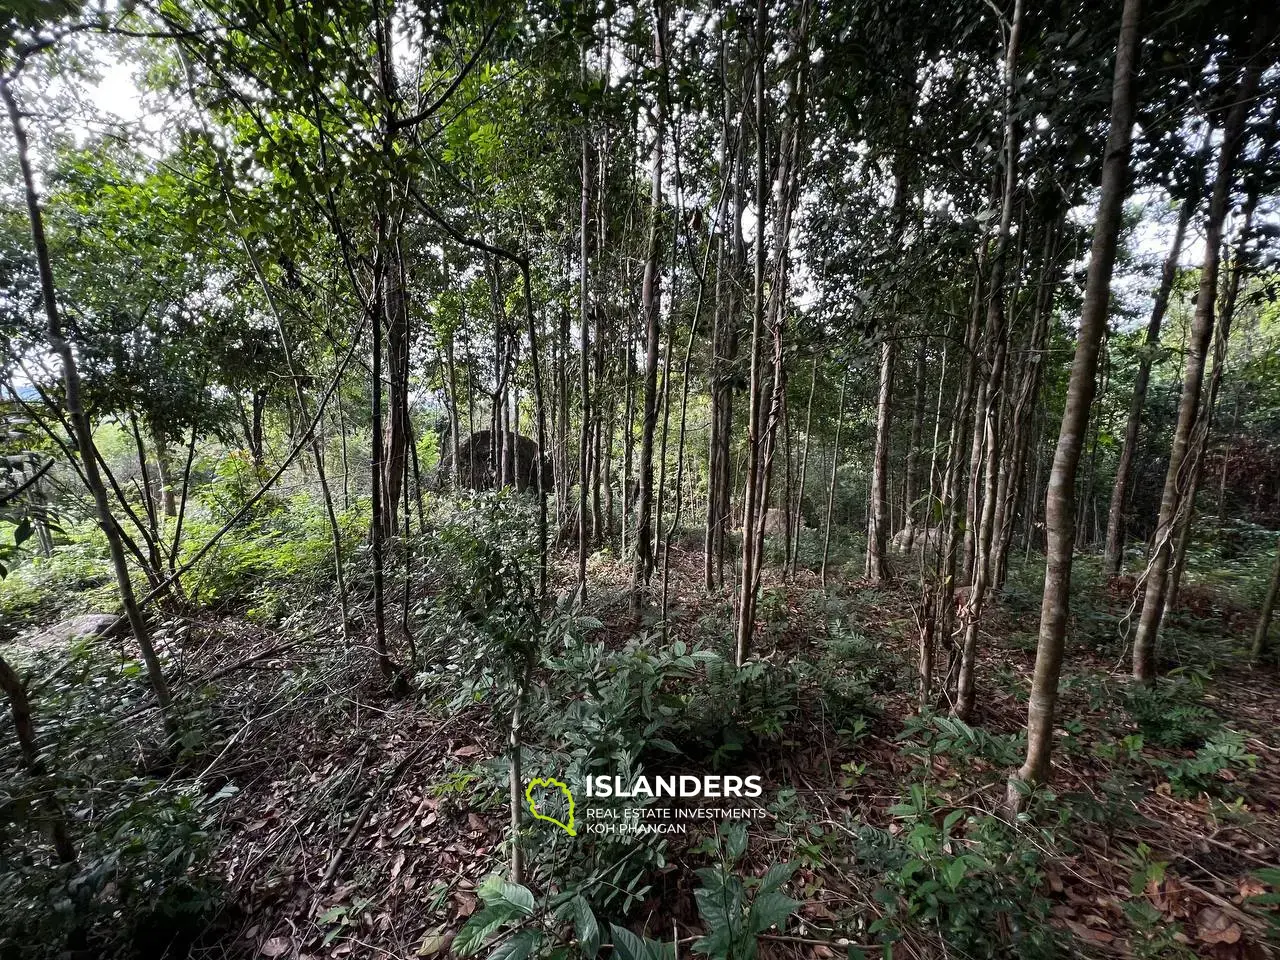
x=496 y=890
x=954 y=872
x=480 y=926
x=777 y=875
x=771 y=909
x=586 y=927
x=630 y=946
x=735 y=838
x=519 y=947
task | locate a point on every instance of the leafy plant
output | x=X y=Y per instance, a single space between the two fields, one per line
x=1224 y=753
x=735 y=909
x=506 y=904
x=967 y=876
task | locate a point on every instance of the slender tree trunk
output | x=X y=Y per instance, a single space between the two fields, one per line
x=798 y=523
x=1026 y=406
x=1204 y=424
x=831 y=485
x=1233 y=135
x=515 y=781
x=753 y=480
x=396 y=444
x=584 y=375
x=877 y=567
x=1113 y=553
x=82 y=427
x=911 y=469
x=455 y=416
x=1266 y=611
x=650 y=307
x=376 y=473
x=24 y=727
x=164 y=467
x=1059 y=507
x=990 y=395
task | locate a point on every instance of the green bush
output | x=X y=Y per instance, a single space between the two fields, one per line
x=969 y=878
x=75 y=579
x=277 y=559
x=141 y=884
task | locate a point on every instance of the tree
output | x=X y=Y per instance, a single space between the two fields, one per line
x=1233 y=134
x=1060 y=499
x=80 y=424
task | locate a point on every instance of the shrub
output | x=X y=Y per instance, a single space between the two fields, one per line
x=968 y=877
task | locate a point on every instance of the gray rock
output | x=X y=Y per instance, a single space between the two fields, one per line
x=74 y=628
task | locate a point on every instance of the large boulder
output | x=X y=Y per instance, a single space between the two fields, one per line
x=75 y=628
x=478 y=471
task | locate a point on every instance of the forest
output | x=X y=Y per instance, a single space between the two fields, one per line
x=639 y=479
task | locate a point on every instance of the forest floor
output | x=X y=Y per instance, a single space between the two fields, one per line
x=355 y=823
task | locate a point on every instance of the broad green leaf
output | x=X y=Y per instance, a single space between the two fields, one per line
x=523 y=945
x=585 y=927
x=771 y=909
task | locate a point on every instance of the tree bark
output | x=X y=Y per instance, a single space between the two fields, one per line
x=1233 y=134
x=650 y=298
x=1059 y=503
x=831 y=484
x=991 y=391
x=1204 y=425
x=1113 y=553
x=584 y=375
x=911 y=469
x=798 y=522
x=877 y=567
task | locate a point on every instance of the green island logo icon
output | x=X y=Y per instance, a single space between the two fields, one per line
x=533 y=807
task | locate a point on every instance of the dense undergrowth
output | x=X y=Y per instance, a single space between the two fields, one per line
x=880 y=835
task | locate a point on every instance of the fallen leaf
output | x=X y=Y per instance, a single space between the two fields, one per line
x=466 y=904
x=1214 y=926
x=434 y=943
x=1249 y=887
x=470 y=750
x=475 y=823
x=276 y=947
x=1088 y=933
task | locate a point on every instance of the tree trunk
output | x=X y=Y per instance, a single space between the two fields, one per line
x=1023 y=414
x=911 y=469
x=798 y=522
x=584 y=374
x=164 y=467
x=1113 y=553
x=81 y=425
x=1266 y=611
x=24 y=728
x=877 y=567
x=831 y=484
x=1059 y=505
x=650 y=307
x=991 y=393
x=396 y=444
x=1204 y=424
x=377 y=471
x=1233 y=134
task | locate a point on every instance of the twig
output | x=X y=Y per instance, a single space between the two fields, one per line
x=385 y=785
